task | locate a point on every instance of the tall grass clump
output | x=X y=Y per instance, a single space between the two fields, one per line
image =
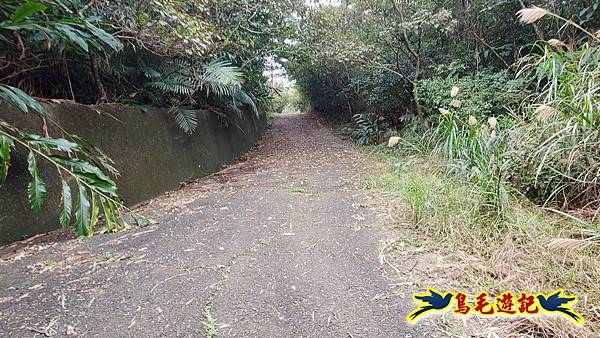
x=538 y=133
x=468 y=117
x=556 y=154
x=528 y=249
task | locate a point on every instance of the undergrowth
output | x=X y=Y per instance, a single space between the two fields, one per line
x=527 y=249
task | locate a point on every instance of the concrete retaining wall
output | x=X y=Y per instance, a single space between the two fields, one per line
x=152 y=154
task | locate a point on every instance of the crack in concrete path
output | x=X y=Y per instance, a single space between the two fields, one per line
x=210 y=324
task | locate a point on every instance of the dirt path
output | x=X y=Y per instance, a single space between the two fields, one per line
x=280 y=245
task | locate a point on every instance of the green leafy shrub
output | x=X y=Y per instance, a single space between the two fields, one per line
x=367 y=130
x=482 y=95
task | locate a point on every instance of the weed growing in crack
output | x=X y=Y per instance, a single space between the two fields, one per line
x=210 y=322
x=50 y=263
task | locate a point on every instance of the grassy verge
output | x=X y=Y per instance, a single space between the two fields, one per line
x=271 y=116
x=529 y=249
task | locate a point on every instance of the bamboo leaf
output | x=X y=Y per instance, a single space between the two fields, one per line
x=82 y=214
x=66 y=203
x=36 y=190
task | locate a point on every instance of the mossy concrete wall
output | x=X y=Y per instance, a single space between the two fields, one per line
x=152 y=154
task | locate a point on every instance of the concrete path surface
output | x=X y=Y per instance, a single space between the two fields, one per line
x=281 y=244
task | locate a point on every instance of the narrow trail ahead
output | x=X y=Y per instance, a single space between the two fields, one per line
x=282 y=244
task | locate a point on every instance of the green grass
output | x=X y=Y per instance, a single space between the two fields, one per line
x=525 y=249
x=298 y=190
x=50 y=263
x=271 y=116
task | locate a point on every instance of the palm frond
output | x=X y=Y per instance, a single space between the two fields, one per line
x=186 y=118
x=240 y=96
x=172 y=86
x=221 y=79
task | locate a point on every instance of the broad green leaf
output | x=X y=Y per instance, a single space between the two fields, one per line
x=6 y=94
x=5 y=145
x=81 y=166
x=73 y=34
x=105 y=37
x=51 y=143
x=95 y=210
x=102 y=158
x=26 y=10
x=82 y=214
x=36 y=190
x=29 y=101
x=110 y=218
x=73 y=22
x=20 y=99
x=9 y=25
x=66 y=203
x=106 y=187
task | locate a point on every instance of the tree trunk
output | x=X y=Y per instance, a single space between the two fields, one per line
x=103 y=98
x=416 y=94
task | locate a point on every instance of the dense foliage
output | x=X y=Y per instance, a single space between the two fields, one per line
x=183 y=55
x=507 y=103
x=507 y=100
